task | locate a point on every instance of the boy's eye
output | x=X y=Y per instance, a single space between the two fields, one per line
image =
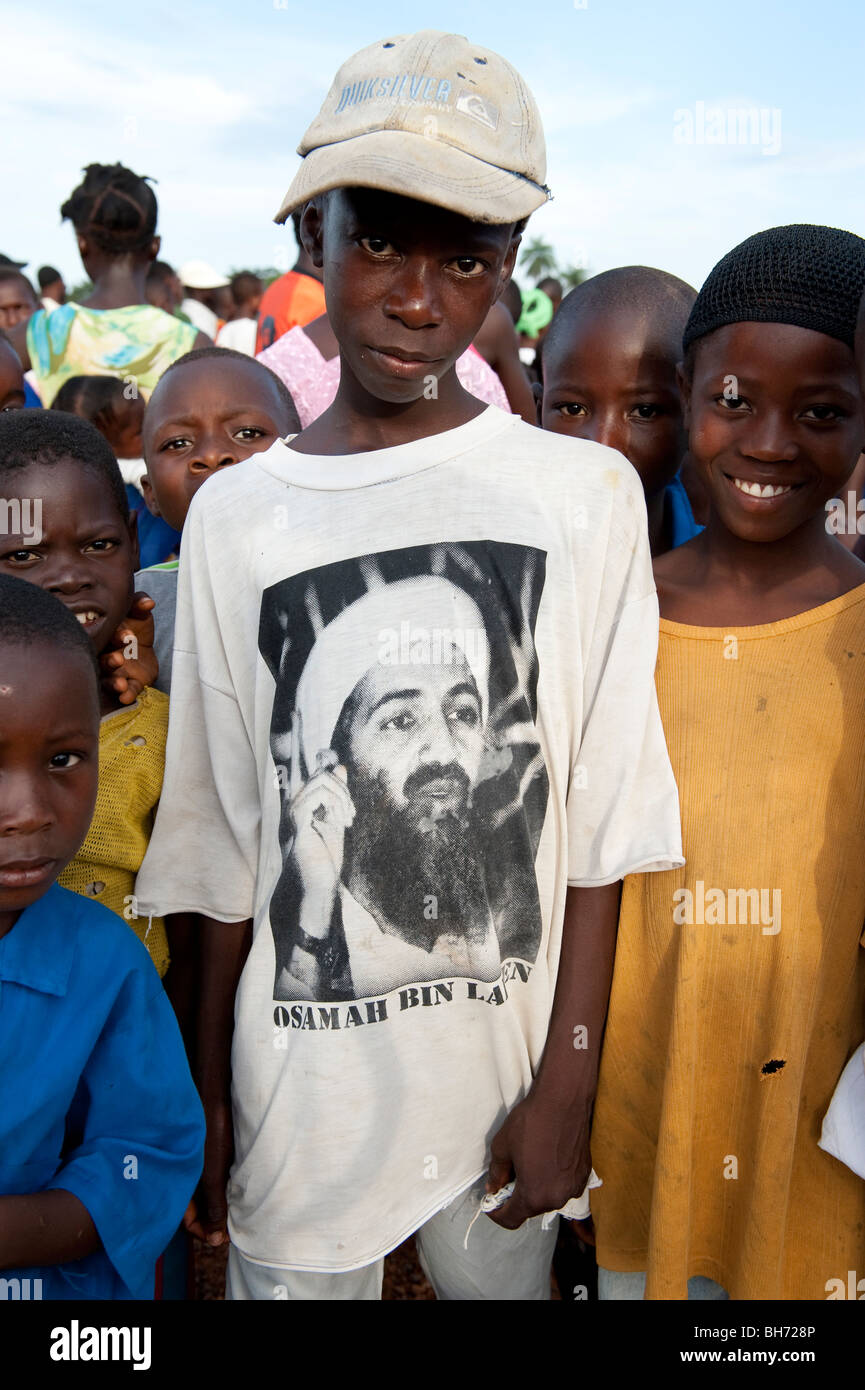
x=731 y=402
x=572 y=409
x=20 y=557
x=470 y=266
x=824 y=413
x=249 y=432
x=102 y=544
x=62 y=761
x=647 y=411
x=376 y=245
x=178 y=443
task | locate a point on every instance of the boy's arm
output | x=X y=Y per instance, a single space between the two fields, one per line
x=45 y=1228
x=544 y=1142
x=224 y=947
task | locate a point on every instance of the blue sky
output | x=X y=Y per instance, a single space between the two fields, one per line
x=211 y=99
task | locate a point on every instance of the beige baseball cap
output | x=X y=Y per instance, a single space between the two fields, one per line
x=430 y=116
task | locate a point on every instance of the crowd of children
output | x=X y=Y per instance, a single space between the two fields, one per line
x=483 y=776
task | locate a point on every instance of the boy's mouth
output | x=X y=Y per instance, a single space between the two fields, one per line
x=89 y=618
x=26 y=873
x=404 y=364
x=761 y=492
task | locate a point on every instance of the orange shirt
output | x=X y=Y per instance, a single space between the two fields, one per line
x=291 y=301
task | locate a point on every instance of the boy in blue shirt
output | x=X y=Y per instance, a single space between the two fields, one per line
x=101 y=1132
x=609 y=374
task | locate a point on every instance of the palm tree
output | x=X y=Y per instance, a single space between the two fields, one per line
x=538 y=259
x=571 y=277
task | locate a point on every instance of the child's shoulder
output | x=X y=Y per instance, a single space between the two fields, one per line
x=229 y=488
x=132 y=743
x=81 y=940
x=544 y=457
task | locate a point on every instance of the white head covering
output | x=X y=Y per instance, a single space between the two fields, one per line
x=413 y=622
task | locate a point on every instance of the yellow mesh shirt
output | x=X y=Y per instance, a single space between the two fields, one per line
x=739 y=983
x=131 y=764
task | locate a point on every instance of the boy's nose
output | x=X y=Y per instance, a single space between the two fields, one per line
x=23 y=812
x=606 y=427
x=68 y=575
x=213 y=453
x=770 y=438
x=413 y=296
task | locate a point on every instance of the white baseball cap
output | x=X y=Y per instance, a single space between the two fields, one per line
x=198 y=275
x=429 y=116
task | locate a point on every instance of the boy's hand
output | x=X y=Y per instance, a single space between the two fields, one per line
x=130 y=663
x=546 y=1149
x=207 y=1214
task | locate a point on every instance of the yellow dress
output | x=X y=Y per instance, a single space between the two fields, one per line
x=736 y=1003
x=131 y=766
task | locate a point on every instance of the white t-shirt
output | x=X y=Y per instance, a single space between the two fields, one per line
x=238 y=334
x=468 y=625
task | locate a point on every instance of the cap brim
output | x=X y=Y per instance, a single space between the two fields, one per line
x=400 y=161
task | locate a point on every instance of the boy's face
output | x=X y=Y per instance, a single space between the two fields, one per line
x=71 y=540
x=773 y=406
x=407 y=284
x=17 y=301
x=613 y=380
x=204 y=416
x=49 y=768
x=11 y=379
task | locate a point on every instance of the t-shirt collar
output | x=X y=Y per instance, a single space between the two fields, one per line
x=337 y=472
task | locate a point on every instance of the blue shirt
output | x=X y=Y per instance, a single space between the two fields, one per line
x=677 y=505
x=95 y=1092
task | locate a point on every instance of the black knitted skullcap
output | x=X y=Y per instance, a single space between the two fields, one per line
x=812 y=277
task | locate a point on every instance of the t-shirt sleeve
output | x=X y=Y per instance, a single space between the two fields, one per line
x=203 y=853
x=137 y=1131
x=623 y=804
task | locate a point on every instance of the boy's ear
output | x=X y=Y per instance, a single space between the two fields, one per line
x=153 y=248
x=133 y=536
x=150 y=501
x=683 y=381
x=311 y=230
x=508 y=264
x=538 y=396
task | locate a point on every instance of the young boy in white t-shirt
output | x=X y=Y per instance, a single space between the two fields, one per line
x=414 y=740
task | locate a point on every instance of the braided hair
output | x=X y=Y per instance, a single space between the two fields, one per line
x=114 y=208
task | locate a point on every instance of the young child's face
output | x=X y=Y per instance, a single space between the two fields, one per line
x=11 y=379
x=17 y=301
x=206 y=415
x=614 y=381
x=49 y=767
x=776 y=406
x=407 y=285
x=80 y=549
